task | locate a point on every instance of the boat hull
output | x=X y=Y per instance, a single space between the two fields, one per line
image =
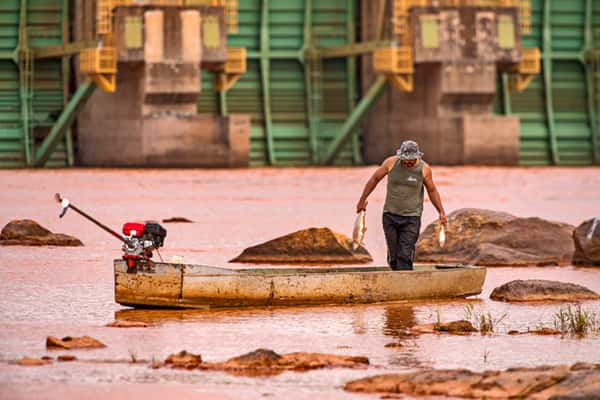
x=194 y=286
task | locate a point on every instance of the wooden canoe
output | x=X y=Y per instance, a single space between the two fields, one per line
x=197 y=286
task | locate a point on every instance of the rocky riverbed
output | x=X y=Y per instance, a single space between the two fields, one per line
x=52 y=291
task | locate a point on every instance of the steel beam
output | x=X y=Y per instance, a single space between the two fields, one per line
x=547 y=75
x=64 y=121
x=351 y=77
x=310 y=57
x=25 y=70
x=363 y=106
x=62 y=50
x=506 y=104
x=589 y=78
x=352 y=49
x=65 y=73
x=276 y=54
x=266 y=89
x=8 y=55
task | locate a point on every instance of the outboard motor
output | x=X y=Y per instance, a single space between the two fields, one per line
x=139 y=239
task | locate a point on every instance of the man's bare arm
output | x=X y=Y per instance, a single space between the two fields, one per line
x=433 y=193
x=371 y=184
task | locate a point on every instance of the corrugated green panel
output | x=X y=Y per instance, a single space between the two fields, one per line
x=44 y=28
x=287 y=81
x=569 y=113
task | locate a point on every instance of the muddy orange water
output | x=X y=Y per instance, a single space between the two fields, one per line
x=69 y=291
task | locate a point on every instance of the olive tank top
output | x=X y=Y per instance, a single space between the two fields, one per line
x=405 y=190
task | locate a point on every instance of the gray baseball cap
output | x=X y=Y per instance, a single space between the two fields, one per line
x=409 y=150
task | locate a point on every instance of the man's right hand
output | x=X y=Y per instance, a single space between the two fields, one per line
x=361 y=205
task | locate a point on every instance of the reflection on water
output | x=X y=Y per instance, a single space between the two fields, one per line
x=398 y=319
x=69 y=291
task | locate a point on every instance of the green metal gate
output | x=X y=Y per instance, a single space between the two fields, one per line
x=33 y=90
x=297 y=100
x=559 y=110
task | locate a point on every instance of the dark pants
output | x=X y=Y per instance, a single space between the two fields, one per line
x=401 y=234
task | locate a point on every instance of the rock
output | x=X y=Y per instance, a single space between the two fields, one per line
x=394 y=345
x=306 y=361
x=68 y=342
x=313 y=245
x=66 y=357
x=461 y=327
x=184 y=360
x=178 y=220
x=267 y=362
x=545 y=331
x=28 y=362
x=536 y=383
x=542 y=290
x=260 y=358
x=492 y=238
x=127 y=324
x=26 y=232
x=587 y=243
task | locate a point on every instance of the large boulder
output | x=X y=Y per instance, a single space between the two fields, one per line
x=587 y=243
x=493 y=238
x=580 y=381
x=313 y=245
x=26 y=232
x=541 y=290
x=72 y=342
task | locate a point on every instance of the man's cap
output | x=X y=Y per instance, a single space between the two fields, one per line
x=409 y=150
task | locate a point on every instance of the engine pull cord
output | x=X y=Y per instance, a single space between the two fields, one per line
x=158 y=252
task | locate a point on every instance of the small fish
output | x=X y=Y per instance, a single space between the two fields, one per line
x=442 y=236
x=360 y=227
x=592 y=229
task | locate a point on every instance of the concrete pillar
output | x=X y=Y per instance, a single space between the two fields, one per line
x=191 y=41
x=154 y=44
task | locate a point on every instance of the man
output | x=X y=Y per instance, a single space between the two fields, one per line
x=407 y=174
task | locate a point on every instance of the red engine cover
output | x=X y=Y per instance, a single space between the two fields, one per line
x=138 y=227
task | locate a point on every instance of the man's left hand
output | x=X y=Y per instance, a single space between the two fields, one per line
x=443 y=219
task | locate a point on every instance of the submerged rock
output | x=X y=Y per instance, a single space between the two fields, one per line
x=536 y=383
x=26 y=232
x=461 y=327
x=313 y=245
x=493 y=238
x=178 y=220
x=66 y=358
x=127 y=324
x=542 y=290
x=28 y=362
x=267 y=362
x=184 y=360
x=71 y=342
x=587 y=243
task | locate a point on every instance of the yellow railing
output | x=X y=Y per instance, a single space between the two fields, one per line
x=393 y=60
x=236 y=60
x=99 y=60
x=396 y=63
x=526 y=69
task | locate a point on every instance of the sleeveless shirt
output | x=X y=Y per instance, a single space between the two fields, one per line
x=405 y=190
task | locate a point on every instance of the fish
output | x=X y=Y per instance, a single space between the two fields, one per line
x=442 y=236
x=592 y=229
x=360 y=227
